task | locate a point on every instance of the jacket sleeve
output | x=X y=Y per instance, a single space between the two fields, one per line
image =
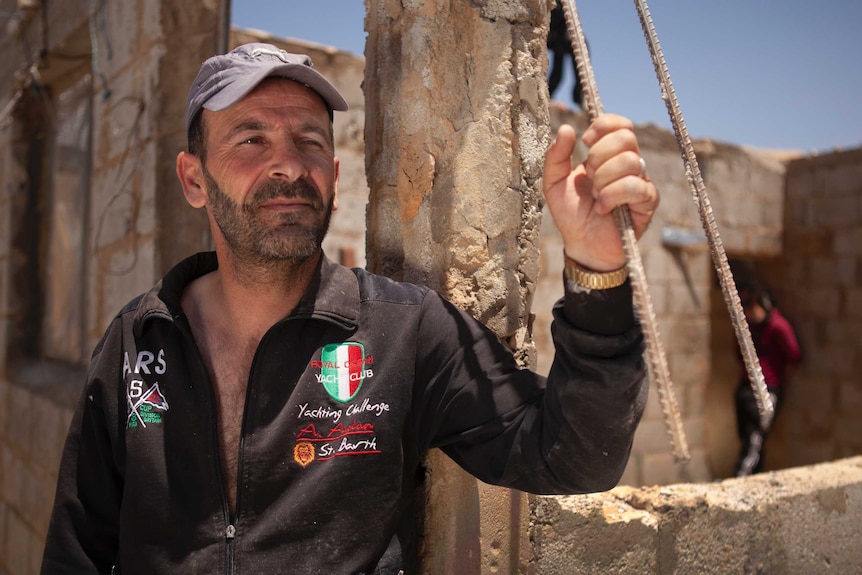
x=83 y=532
x=569 y=433
x=789 y=345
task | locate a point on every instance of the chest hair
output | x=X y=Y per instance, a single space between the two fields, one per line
x=229 y=364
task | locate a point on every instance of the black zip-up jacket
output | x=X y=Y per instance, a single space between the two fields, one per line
x=345 y=397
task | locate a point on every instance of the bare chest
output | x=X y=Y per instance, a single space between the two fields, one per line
x=229 y=372
x=229 y=364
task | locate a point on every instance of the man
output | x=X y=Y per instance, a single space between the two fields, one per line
x=264 y=410
x=778 y=353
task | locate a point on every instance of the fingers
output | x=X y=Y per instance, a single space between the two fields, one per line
x=620 y=166
x=614 y=165
x=604 y=125
x=609 y=137
x=640 y=195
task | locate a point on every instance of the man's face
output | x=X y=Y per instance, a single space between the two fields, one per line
x=753 y=311
x=270 y=172
x=287 y=237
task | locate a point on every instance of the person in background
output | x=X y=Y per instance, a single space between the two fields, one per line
x=560 y=47
x=778 y=353
x=263 y=409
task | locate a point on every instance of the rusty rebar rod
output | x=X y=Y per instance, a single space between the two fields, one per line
x=642 y=301
x=719 y=257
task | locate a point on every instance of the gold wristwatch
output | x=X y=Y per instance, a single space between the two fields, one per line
x=594 y=280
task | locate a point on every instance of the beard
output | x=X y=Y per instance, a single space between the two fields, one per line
x=261 y=239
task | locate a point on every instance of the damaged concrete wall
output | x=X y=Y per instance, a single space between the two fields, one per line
x=794 y=522
x=90 y=209
x=135 y=134
x=456 y=129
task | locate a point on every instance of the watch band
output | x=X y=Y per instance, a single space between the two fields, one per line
x=594 y=280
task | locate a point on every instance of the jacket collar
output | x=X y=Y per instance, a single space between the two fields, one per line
x=332 y=294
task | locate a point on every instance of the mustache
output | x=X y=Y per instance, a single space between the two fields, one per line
x=300 y=189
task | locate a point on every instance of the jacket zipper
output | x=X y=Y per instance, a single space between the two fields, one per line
x=230 y=529
x=229 y=535
x=231 y=522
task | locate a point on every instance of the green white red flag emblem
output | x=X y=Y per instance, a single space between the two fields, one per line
x=342 y=369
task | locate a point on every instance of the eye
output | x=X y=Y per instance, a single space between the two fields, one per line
x=312 y=143
x=251 y=140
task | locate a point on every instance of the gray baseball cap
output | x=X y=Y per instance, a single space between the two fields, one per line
x=225 y=79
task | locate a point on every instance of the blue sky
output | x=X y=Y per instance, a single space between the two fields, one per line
x=779 y=74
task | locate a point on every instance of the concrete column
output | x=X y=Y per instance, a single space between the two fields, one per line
x=456 y=129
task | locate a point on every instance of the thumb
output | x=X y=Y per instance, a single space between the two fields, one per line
x=558 y=158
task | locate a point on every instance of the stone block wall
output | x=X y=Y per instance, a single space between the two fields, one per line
x=821 y=290
x=32 y=432
x=90 y=213
x=795 y=522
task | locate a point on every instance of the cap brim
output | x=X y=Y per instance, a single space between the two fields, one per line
x=236 y=89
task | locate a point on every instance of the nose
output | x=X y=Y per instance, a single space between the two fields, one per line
x=287 y=162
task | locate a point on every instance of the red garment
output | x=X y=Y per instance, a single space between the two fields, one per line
x=776 y=346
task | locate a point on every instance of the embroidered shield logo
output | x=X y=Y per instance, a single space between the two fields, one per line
x=342 y=370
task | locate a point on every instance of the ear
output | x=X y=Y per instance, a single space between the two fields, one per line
x=337 y=165
x=191 y=176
